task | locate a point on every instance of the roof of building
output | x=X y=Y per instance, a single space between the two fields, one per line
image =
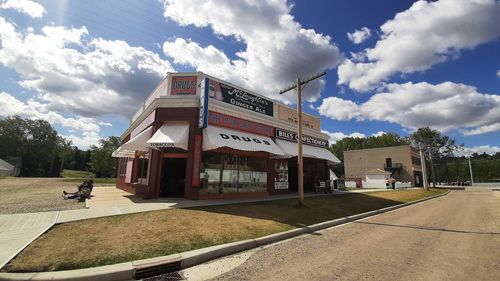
x=5 y=166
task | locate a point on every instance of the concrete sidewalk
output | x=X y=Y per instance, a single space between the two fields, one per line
x=17 y=231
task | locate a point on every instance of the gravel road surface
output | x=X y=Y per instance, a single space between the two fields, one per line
x=455 y=237
x=25 y=195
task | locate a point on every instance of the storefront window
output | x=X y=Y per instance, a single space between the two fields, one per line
x=281 y=175
x=142 y=174
x=228 y=173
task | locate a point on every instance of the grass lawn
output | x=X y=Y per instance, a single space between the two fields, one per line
x=77 y=174
x=123 y=238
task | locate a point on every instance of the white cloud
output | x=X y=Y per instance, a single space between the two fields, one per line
x=498 y=73
x=30 y=8
x=378 y=134
x=422 y=36
x=339 y=109
x=77 y=79
x=336 y=136
x=278 y=49
x=75 y=73
x=488 y=149
x=360 y=35
x=446 y=106
x=89 y=127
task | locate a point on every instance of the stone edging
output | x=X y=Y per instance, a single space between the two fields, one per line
x=127 y=270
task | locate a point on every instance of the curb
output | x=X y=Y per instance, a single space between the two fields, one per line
x=159 y=265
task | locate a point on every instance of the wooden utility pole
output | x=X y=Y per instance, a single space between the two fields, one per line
x=300 y=166
x=424 y=168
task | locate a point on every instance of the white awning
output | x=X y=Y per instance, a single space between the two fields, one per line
x=290 y=149
x=171 y=135
x=137 y=143
x=216 y=137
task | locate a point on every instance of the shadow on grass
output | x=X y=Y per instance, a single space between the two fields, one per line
x=316 y=209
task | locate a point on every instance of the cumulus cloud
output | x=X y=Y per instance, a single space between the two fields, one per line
x=446 y=106
x=73 y=72
x=339 y=109
x=32 y=109
x=498 y=73
x=336 y=136
x=488 y=149
x=78 y=76
x=278 y=49
x=360 y=35
x=30 y=8
x=420 y=37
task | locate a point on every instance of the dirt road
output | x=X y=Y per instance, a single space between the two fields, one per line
x=455 y=237
x=24 y=195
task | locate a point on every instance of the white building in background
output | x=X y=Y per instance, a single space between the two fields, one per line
x=8 y=170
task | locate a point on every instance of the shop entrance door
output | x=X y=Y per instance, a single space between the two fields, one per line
x=174 y=177
x=293 y=176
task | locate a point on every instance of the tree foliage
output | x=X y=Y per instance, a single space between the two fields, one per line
x=440 y=145
x=35 y=141
x=101 y=161
x=44 y=153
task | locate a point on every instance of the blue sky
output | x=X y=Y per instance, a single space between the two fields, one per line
x=85 y=66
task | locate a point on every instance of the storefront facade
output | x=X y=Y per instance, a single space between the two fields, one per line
x=199 y=137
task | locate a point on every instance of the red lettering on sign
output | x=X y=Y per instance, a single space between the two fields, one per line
x=231 y=122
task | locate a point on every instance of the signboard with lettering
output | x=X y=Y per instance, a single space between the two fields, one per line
x=195 y=181
x=203 y=114
x=290 y=115
x=231 y=122
x=240 y=98
x=292 y=136
x=280 y=185
x=183 y=85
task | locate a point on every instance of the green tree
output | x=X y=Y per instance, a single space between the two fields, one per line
x=440 y=145
x=101 y=161
x=35 y=141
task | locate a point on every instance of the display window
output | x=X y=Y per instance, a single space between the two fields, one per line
x=281 y=174
x=230 y=173
x=142 y=163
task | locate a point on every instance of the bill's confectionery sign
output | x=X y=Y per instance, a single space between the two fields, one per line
x=231 y=122
x=240 y=98
x=292 y=136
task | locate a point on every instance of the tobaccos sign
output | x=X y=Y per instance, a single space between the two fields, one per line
x=240 y=98
x=292 y=136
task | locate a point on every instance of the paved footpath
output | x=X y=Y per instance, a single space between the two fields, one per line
x=455 y=237
x=18 y=230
